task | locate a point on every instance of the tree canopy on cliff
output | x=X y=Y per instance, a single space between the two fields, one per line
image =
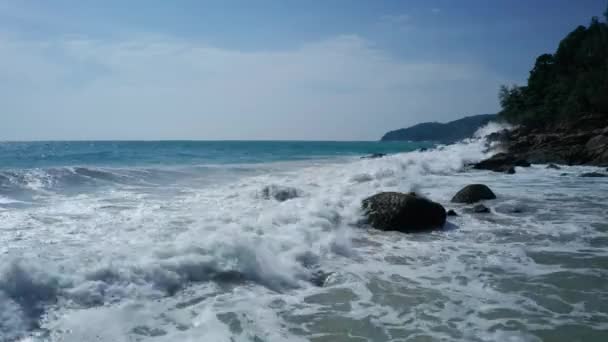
x=562 y=85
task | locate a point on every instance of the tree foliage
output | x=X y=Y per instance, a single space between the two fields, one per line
x=562 y=85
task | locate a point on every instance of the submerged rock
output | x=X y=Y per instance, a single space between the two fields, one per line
x=593 y=174
x=362 y=178
x=451 y=212
x=403 y=212
x=374 y=156
x=510 y=208
x=280 y=193
x=481 y=209
x=319 y=278
x=473 y=193
x=554 y=167
x=148 y=331
x=510 y=170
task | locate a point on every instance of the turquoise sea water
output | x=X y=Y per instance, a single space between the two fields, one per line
x=31 y=172
x=146 y=153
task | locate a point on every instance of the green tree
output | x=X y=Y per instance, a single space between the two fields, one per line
x=570 y=82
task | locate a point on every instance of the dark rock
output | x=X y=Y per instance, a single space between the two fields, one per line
x=451 y=212
x=481 y=209
x=498 y=160
x=319 y=277
x=593 y=174
x=499 y=136
x=554 y=167
x=501 y=162
x=403 y=212
x=579 y=141
x=510 y=170
x=597 y=149
x=374 y=156
x=599 y=143
x=473 y=193
x=280 y=193
x=147 y=331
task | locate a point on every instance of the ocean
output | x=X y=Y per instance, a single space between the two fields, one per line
x=189 y=241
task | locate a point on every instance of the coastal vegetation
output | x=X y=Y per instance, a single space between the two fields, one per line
x=564 y=85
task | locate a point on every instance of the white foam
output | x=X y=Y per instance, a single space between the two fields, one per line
x=6 y=200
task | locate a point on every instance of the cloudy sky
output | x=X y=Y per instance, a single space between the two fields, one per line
x=285 y=69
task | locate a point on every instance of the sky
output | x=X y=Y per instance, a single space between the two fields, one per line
x=264 y=70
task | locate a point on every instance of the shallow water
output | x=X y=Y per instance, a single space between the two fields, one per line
x=198 y=252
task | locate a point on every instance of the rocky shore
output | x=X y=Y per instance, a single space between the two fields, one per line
x=580 y=142
x=583 y=141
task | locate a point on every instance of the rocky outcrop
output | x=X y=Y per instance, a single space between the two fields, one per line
x=553 y=166
x=473 y=193
x=597 y=148
x=498 y=136
x=279 y=193
x=501 y=162
x=406 y=213
x=583 y=141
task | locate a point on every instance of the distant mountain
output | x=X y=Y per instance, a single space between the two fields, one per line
x=441 y=132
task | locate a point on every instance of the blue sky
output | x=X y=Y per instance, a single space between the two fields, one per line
x=330 y=70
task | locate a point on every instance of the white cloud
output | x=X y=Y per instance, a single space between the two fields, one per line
x=156 y=87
